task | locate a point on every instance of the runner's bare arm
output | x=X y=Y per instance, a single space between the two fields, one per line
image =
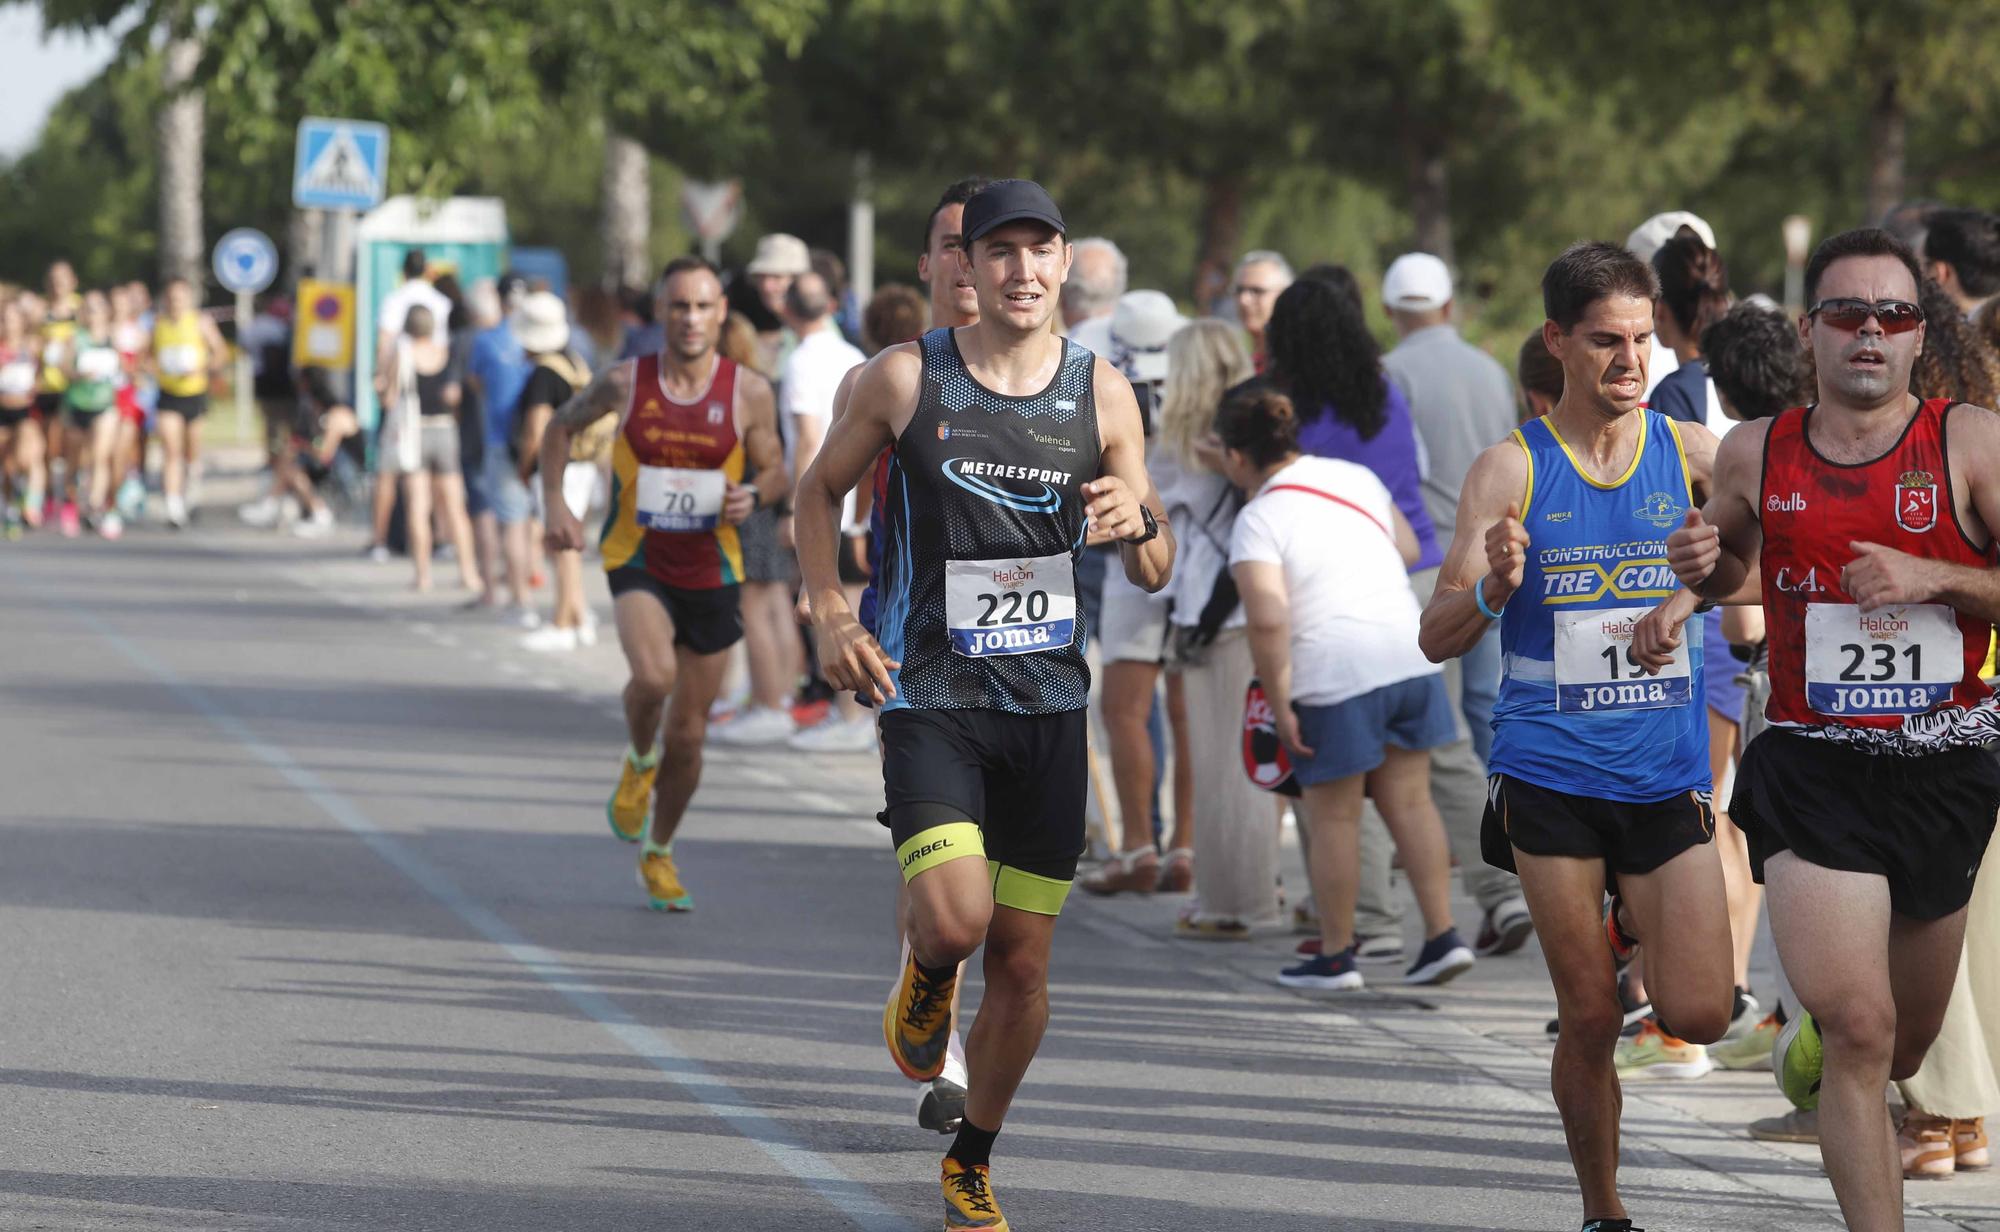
x=1489 y=549
x=1657 y=634
x=1714 y=552
x=1882 y=577
x=1698 y=446
x=762 y=449
x=1122 y=486
x=864 y=492
x=218 y=350
x=605 y=393
x=843 y=393
x=881 y=397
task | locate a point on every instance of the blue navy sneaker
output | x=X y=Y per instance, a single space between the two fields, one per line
x=1441 y=960
x=1327 y=974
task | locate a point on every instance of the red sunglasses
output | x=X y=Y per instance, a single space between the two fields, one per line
x=1898 y=316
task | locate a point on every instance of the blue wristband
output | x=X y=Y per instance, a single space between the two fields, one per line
x=1479 y=597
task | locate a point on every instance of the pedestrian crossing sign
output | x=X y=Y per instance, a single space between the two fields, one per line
x=340 y=164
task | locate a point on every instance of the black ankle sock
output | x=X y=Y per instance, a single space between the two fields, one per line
x=1742 y=1002
x=973 y=1146
x=937 y=975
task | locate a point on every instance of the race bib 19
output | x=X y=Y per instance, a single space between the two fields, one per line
x=1595 y=671
x=680 y=500
x=1900 y=660
x=1003 y=607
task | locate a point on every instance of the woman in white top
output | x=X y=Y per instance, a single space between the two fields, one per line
x=421 y=393
x=1321 y=556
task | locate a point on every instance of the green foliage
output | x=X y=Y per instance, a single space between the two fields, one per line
x=1187 y=129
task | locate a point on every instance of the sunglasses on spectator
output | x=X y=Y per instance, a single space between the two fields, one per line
x=1898 y=316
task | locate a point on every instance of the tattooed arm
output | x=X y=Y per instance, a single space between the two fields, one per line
x=606 y=394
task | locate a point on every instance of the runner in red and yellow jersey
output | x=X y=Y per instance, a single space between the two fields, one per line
x=686 y=547
x=690 y=423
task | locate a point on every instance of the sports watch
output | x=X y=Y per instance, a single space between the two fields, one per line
x=1151 y=532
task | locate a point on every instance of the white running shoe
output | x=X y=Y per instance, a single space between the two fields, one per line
x=177 y=513
x=551 y=640
x=379 y=554
x=586 y=633
x=261 y=513
x=317 y=525
x=836 y=735
x=757 y=725
x=521 y=617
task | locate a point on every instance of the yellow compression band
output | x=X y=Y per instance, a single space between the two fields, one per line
x=1025 y=891
x=935 y=846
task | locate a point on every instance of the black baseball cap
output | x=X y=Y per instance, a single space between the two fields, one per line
x=1005 y=201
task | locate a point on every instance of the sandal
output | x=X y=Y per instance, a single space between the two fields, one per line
x=1137 y=870
x=1193 y=925
x=1177 y=872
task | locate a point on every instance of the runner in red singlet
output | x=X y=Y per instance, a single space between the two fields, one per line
x=1869 y=521
x=696 y=453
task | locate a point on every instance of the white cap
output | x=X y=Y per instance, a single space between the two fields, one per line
x=1652 y=235
x=1141 y=326
x=1417 y=282
x=541 y=323
x=779 y=253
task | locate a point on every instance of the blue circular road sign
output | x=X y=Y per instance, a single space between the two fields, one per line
x=246 y=261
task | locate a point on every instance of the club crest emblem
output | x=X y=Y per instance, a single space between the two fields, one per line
x=1916 y=501
x=1661 y=509
x=944 y=430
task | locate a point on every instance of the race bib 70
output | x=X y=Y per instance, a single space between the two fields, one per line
x=673 y=499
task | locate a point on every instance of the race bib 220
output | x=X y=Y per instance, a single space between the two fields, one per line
x=1010 y=606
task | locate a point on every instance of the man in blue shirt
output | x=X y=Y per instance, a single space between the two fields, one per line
x=498 y=369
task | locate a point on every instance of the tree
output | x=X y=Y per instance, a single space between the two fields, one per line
x=454 y=80
x=181 y=245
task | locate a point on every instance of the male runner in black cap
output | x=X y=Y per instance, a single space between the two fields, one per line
x=1013 y=449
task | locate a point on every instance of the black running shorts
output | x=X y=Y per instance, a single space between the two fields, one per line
x=705 y=621
x=187 y=406
x=1631 y=838
x=1018 y=778
x=1921 y=821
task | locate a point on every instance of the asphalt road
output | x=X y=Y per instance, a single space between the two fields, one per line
x=312 y=920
